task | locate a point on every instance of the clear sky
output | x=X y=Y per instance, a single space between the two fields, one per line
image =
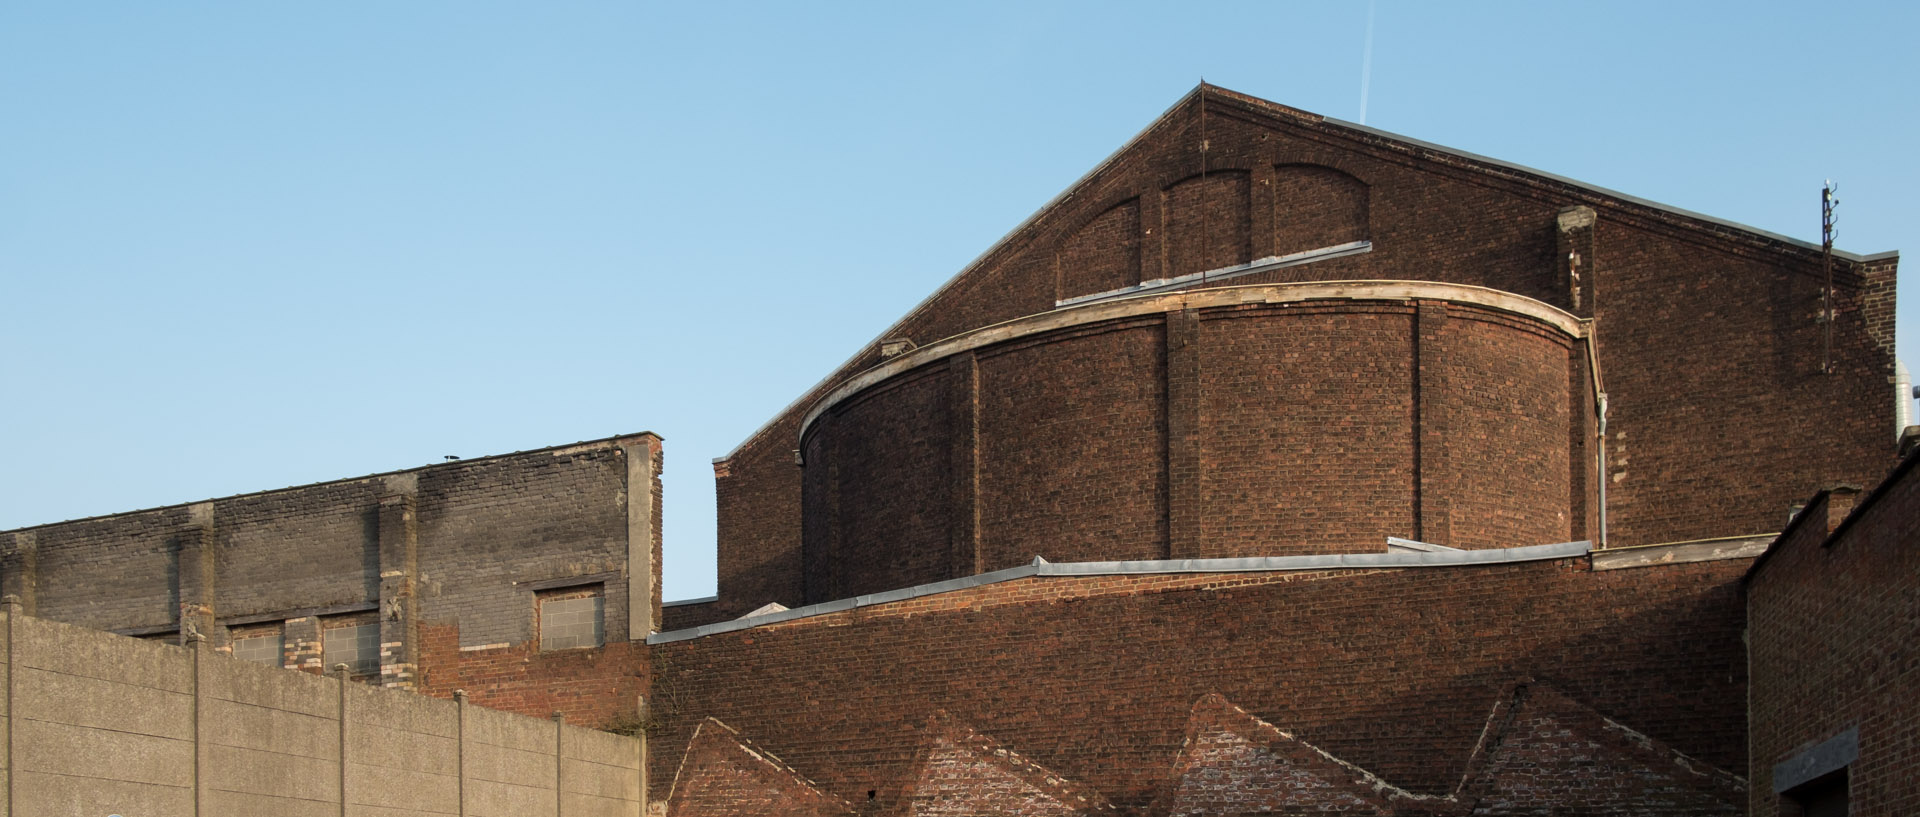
x=251 y=245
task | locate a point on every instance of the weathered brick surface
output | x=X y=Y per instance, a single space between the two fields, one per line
x=963 y=773
x=1547 y=755
x=1708 y=338
x=1092 y=678
x=722 y=775
x=1103 y=255
x=1303 y=429
x=1234 y=763
x=1834 y=620
x=463 y=542
x=590 y=686
x=1306 y=439
x=1072 y=448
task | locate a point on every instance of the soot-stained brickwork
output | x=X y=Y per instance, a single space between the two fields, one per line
x=442 y=564
x=1719 y=413
x=1834 y=621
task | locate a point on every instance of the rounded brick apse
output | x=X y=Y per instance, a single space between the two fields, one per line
x=1269 y=420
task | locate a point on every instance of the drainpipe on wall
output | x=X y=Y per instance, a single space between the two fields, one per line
x=1600 y=409
x=1603 y=468
x=1903 y=395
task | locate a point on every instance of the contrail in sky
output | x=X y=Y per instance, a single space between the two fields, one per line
x=1366 y=64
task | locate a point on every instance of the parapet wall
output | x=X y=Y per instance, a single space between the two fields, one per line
x=1095 y=678
x=1268 y=420
x=464 y=546
x=100 y=724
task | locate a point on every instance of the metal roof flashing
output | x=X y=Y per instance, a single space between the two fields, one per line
x=1255 y=564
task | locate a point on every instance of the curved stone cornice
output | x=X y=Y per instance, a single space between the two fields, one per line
x=1072 y=316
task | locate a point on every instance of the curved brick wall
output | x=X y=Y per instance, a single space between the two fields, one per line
x=1257 y=421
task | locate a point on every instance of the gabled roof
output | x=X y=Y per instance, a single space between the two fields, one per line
x=1392 y=141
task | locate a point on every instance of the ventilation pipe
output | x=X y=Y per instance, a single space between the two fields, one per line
x=1903 y=397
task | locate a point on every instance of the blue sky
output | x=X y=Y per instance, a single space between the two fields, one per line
x=244 y=246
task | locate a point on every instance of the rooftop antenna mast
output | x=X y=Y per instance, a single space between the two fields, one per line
x=1829 y=230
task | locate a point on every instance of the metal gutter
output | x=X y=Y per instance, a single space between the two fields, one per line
x=1041 y=567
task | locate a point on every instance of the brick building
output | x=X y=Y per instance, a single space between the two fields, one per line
x=1104 y=523
x=473 y=574
x=1278 y=465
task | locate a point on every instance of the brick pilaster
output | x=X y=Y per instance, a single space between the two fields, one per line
x=1184 y=494
x=198 y=562
x=399 y=584
x=963 y=376
x=1430 y=406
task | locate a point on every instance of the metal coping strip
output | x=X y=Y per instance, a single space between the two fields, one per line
x=1257 y=564
x=1272 y=262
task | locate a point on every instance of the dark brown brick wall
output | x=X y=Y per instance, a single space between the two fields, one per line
x=1506 y=431
x=1104 y=255
x=1708 y=340
x=1834 y=641
x=1307 y=430
x=1072 y=442
x=1304 y=432
x=1093 y=678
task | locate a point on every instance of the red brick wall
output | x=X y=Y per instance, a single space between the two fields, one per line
x=1707 y=337
x=1102 y=256
x=1072 y=448
x=1093 y=678
x=1835 y=643
x=590 y=686
x=1305 y=431
x=1306 y=440
x=1506 y=431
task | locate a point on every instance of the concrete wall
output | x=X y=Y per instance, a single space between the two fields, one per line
x=99 y=724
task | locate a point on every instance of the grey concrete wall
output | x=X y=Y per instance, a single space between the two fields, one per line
x=99 y=724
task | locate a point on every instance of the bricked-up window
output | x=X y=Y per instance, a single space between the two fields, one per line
x=261 y=645
x=571 y=617
x=354 y=641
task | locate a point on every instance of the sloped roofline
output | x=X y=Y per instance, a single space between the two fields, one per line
x=600 y=443
x=1524 y=173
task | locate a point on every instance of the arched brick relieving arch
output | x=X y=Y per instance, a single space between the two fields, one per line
x=1265 y=420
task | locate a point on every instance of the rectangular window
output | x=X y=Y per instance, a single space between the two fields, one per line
x=354 y=641
x=261 y=645
x=571 y=617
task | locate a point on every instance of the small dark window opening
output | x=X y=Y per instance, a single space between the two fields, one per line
x=1825 y=796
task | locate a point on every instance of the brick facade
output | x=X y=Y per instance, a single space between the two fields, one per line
x=1706 y=333
x=1831 y=617
x=1094 y=678
x=1303 y=421
x=444 y=562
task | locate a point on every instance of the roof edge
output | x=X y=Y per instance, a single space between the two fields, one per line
x=1060 y=198
x=415 y=469
x=1254 y=564
x=1283 y=110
